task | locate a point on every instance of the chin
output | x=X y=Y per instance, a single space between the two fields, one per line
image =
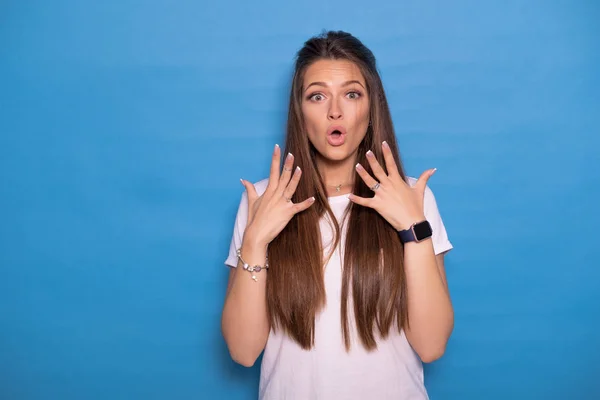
x=336 y=154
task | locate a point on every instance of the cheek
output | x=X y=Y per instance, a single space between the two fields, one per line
x=364 y=113
x=311 y=121
x=358 y=113
x=361 y=123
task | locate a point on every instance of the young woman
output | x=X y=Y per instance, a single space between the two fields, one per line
x=337 y=258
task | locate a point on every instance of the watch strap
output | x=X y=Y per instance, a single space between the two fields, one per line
x=408 y=235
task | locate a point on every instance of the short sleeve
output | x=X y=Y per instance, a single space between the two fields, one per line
x=241 y=220
x=441 y=243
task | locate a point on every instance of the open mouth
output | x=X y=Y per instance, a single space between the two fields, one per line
x=336 y=135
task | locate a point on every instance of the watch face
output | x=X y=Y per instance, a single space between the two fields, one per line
x=422 y=230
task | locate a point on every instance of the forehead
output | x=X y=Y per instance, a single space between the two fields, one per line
x=332 y=72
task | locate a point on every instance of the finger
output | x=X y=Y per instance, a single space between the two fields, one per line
x=424 y=178
x=304 y=205
x=363 y=201
x=274 y=174
x=250 y=190
x=390 y=163
x=366 y=177
x=287 y=172
x=377 y=170
x=291 y=187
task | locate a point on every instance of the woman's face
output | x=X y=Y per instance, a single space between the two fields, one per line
x=335 y=107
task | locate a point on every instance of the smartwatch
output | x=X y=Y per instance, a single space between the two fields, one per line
x=416 y=233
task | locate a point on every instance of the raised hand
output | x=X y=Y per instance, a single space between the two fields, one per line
x=395 y=200
x=269 y=213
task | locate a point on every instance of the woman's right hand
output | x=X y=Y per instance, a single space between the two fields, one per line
x=270 y=213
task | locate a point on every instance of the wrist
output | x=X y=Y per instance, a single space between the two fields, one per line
x=410 y=222
x=252 y=256
x=417 y=232
x=252 y=243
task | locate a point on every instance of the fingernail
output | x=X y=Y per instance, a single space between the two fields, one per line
x=289 y=155
x=241 y=180
x=435 y=169
x=276 y=146
x=369 y=153
x=358 y=166
x=298 y=169
x=385 y=144
x=312 y=199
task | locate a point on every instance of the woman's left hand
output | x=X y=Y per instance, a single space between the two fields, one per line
x=400 y=204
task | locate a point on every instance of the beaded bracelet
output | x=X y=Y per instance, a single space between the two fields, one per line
x=252 y=269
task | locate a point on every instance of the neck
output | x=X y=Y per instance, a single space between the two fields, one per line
x=337 y=175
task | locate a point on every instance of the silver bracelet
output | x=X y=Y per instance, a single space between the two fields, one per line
x=254 y=268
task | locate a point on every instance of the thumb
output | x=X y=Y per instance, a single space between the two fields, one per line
x=251 y=190
x=424 y=178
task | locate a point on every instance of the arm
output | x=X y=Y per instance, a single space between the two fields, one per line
x=431 y=317
x=245 y=319
x=245 y=322
x=442 y=269
x=430 y=313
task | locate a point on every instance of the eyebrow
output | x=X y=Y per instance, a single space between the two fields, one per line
x=325 y=85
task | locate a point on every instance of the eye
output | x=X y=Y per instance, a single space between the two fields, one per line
x=353 y=95
x=316 y=97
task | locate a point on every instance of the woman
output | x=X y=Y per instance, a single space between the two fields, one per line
x=338 y=271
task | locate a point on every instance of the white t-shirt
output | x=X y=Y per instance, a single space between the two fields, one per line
x=327 y=371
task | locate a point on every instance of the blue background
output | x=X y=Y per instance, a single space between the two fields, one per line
x=126 y=125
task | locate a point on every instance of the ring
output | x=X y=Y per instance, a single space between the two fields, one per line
x=288 y=199
x=375 y=186
x=287 y=169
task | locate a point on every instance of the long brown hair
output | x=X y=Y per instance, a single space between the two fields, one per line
x=373 y=270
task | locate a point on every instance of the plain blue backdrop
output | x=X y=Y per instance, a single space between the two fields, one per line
x=126 y=125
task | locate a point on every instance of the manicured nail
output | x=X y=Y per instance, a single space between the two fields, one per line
x=241 y=180
x=369 y=153
x=276 y=146
x=298 y=170
x=289 y=155
x=358 y=166
x=312 y=199
x=435 y=169
x=385 y=144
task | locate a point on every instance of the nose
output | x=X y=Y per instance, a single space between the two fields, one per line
x=335 y=112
